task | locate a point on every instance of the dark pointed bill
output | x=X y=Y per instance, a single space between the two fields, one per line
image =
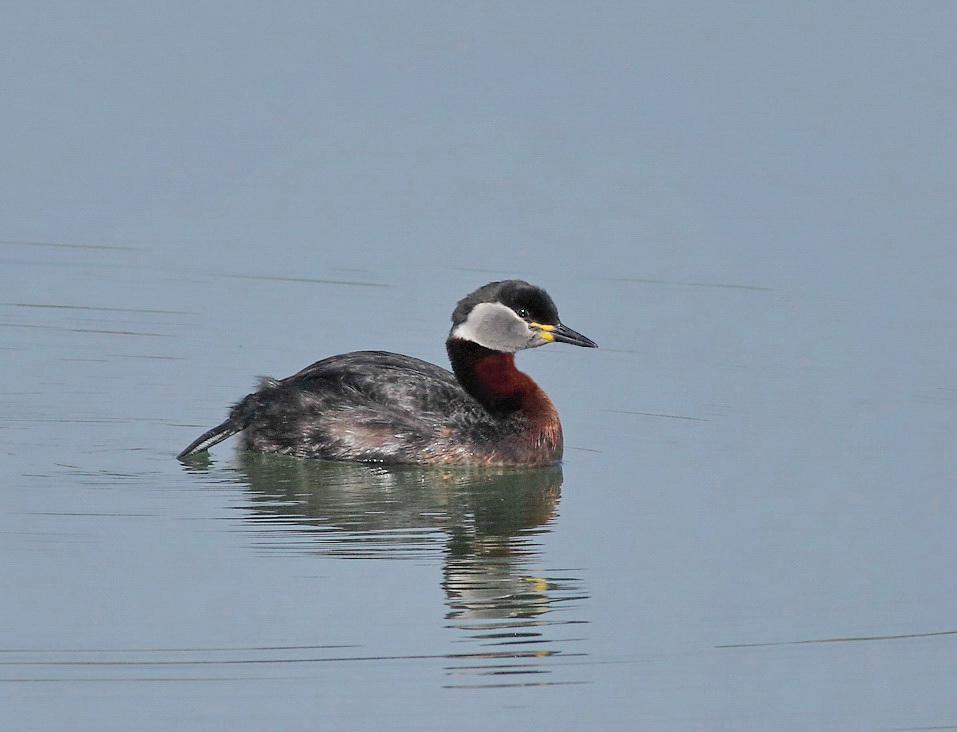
x=564 y=334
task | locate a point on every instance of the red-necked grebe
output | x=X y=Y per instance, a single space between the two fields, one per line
x=374 y=406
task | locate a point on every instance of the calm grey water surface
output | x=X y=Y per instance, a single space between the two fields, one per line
x=750 y=208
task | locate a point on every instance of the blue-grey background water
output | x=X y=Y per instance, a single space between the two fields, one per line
x=750 y=207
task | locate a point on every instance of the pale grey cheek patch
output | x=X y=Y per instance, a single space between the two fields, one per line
x=495 y=326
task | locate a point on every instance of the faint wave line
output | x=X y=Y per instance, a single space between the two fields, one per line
x=300 y=279
x=656 y=414
x=691 y=284
x=128 y=679
x=315 y=659
x=91 y=307
x=841 y=640
x=9 y=242
x=83 y=330
x=176 y=650
x=516 y=686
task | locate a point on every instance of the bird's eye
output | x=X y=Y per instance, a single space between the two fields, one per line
x=523 y=313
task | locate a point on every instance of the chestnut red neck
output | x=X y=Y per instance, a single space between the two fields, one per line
x=492 y=379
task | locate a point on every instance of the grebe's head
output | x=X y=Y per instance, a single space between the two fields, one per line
x=510 y=316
